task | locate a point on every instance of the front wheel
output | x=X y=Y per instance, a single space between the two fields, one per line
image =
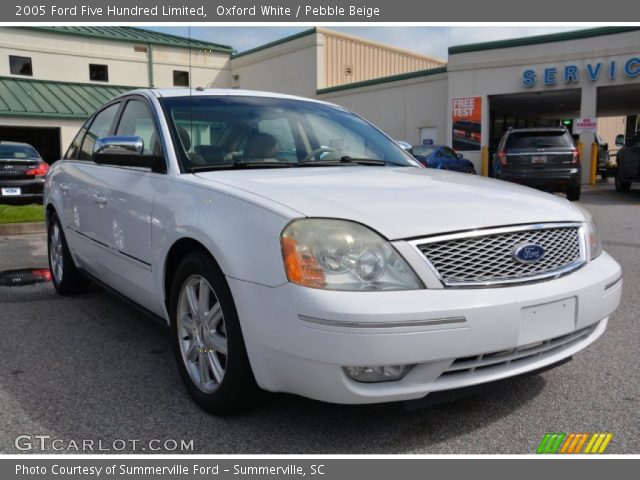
x=208 y=342
x=65 y=276
x=573 y=194
x=621 y=185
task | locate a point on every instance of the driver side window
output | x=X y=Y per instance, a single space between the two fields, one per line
x=137 y=121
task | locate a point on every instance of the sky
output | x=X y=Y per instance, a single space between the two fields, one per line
x=433 y=41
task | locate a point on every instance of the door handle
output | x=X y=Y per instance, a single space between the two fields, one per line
x=99 y=199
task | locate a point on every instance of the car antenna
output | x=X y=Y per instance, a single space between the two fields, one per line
x=190 y=90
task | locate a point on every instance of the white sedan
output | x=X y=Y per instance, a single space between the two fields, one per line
x=293 y=247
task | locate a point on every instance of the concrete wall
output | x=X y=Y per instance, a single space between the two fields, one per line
x=290 y=67
x=400 y=108
x=67 y=57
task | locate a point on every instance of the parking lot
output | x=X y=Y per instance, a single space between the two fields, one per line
x=91 y=367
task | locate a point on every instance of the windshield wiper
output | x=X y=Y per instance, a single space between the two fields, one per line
x=240 y=165
x=342 y=161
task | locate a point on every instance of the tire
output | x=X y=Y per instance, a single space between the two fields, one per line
x=621 y=185
x=209 y=349
x=65 y=276
x=573 y=194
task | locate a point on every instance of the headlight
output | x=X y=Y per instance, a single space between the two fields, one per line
x=593 y=238
x=342 y=255
x=593 y=241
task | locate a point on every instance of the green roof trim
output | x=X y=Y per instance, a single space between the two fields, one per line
x=380 y=80
x=276 y=42
x=135 y=35
x=539 y=39
x=48 y=99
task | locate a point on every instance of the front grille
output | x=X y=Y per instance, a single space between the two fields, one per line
x=486 y=258
x=511 y=357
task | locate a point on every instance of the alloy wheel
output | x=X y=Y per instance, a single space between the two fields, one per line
x=202 y=333
x=56 y=253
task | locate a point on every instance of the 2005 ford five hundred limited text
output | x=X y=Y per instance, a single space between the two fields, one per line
x=293 y=247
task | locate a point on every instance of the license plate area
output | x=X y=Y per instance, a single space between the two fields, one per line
x=537 y=159
x=11 y=191
x=548 y=320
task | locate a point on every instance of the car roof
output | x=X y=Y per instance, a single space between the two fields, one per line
x=218 y=92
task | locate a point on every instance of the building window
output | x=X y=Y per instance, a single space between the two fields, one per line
x=20 y=65
x=180 y=78
x=98 y=73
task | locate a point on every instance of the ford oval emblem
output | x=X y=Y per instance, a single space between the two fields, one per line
x=528 y=252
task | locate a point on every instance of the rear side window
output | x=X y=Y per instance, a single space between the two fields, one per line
x=74 y=148
x=539 y=140
x=100 y=127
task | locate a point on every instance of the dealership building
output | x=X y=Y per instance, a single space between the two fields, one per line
x=52 y=78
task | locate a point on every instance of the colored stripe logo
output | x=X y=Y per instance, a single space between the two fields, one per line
x=563 y=443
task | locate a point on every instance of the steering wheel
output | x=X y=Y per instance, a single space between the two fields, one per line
x=316 y=151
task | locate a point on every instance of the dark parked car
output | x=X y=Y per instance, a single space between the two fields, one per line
x=442 y=157
x=22 y=172
x=543 y=158
x=603 y=155
x=628 y=160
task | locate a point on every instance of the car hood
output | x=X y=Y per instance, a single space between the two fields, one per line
x=400 y=202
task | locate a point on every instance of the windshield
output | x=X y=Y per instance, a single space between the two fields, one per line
x=217 y=132
x=18 y=152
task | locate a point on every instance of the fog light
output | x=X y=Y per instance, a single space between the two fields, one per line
x=385 y=373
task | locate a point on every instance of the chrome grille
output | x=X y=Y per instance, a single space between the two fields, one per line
x=485 y=258
x=512 y=357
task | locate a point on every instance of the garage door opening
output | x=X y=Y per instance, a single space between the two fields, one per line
x=531 y=109
x=46 y=140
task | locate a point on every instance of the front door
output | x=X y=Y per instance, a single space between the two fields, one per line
x=124 y=221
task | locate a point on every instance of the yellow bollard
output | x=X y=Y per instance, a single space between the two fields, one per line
x=485 y=161
x=594 y=164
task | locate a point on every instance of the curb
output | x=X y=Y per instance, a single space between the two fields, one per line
x=22 y=228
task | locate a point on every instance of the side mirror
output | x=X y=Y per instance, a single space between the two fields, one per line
x=459 y=156
x=125 y=151
x=620 y=140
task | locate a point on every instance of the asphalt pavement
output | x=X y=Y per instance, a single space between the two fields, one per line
x=91 y=368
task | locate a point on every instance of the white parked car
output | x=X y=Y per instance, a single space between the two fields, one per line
x=293 y=247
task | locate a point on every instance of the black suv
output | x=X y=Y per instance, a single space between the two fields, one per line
x=628 y=159
x=544 y=158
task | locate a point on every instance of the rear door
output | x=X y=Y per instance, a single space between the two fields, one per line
x=539 y=149
x=79 y=182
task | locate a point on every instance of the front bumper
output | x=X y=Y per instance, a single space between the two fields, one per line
x=298 y=339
